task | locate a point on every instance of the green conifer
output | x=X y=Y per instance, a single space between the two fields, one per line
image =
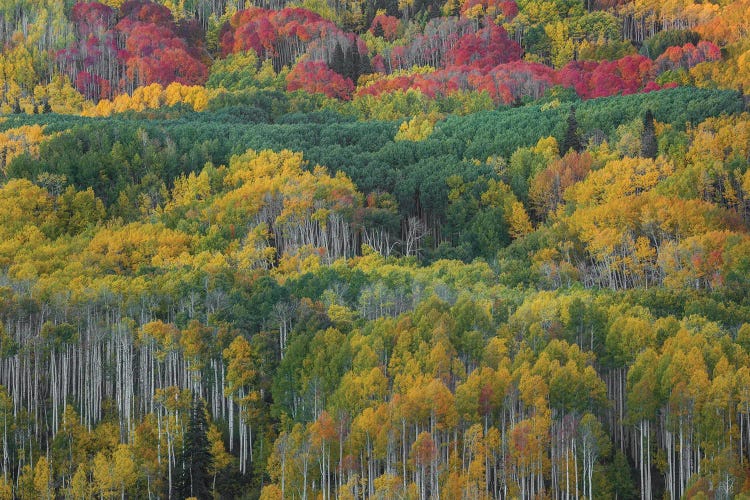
x=193 y=478
x=572 y=140
x=649 y=147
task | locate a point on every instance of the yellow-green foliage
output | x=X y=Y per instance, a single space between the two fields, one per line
x=418 y=128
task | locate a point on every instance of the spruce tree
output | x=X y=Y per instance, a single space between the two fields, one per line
x=193 y=478
x=337 y=62
x=649 y=148
x=571 y=140
x=378 y=30
x=390 y=6
x=620 y=478
x=369 y=13
x=351 y=63
x=365 y=68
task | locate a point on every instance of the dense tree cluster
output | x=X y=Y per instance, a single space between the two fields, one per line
x=440 y=310
x=381 y=249
x=68 y=59
x=117 y=51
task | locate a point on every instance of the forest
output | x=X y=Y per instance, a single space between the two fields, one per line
x=354 y=249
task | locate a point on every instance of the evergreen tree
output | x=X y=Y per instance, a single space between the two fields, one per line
x=649 y=148
x=351 y=63
x=620 y=478
x=365 y=68
x=456 y=9
x=378 y=30
x=369 y=13
x=193 y=478
x=337 y=61
x=390 y=6
x=571 y=140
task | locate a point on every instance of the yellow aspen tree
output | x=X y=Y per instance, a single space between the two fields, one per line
x=104 y=481
x=43 y=479
x=26 y=489
x=124 y=469
x=6 y=490
x=80 y=488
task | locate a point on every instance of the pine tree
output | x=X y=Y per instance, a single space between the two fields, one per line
x=194 y=479
x=378 y=30
x=649 y=148
x=571 y=140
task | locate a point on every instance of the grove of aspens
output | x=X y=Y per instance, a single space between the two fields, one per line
x=375 y=249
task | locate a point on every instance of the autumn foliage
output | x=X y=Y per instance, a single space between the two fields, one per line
x=385 y=24
x=115 y=51
x=598 y=79
x=458 y=308
x=317 y=77
x=414 y=249
x=283 y=35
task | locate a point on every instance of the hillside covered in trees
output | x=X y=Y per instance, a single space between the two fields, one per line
x=375 y=249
